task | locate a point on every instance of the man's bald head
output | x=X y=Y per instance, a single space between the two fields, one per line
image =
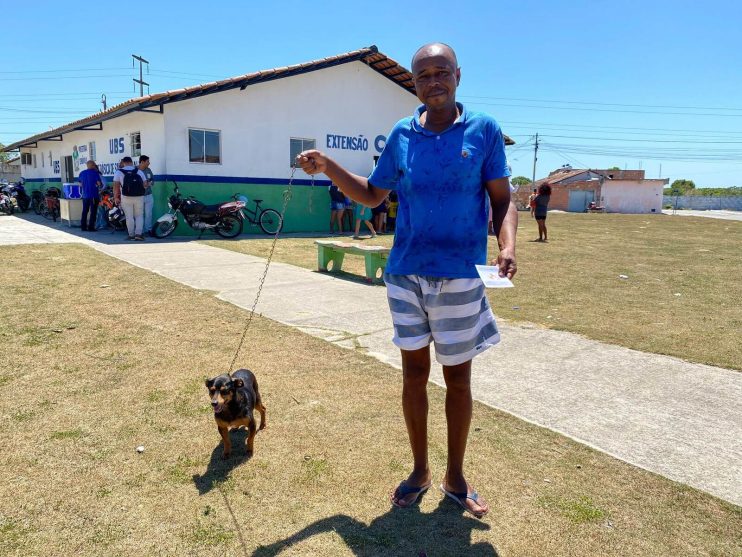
x=435 y=49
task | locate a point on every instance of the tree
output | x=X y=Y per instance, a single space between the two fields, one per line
x=683 y=185
x=520 y=181
x=4 y=157
x=614 y=168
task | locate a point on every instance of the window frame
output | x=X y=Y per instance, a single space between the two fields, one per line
x=204 y=130
x=92 y=155
x=304 y=147
x=135 y=152
x=34 y=159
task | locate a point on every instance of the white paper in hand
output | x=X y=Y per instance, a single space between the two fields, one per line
x=491 y=277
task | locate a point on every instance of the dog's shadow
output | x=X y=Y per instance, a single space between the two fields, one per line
x=219 y=468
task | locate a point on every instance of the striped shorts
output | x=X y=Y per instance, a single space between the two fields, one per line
x=453 y=313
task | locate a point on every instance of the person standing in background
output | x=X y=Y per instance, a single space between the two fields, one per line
x=129 y=184
x=337 y=208
x=91 y=181
x=542 y=207
x=532 y=202
x=149 y=198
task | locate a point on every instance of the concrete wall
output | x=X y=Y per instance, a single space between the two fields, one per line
x=628 y=196
x=728 y=203
x=10 y=171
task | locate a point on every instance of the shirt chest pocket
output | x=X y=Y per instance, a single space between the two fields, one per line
x=462 y=168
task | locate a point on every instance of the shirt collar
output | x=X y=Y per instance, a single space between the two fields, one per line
x=420 y=129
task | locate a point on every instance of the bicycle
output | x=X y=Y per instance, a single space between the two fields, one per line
x=49 y=209
x=269 y=220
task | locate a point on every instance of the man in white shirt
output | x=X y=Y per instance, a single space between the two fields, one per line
x=129 y=185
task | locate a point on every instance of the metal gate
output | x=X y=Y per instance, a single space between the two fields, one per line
x=579 y=200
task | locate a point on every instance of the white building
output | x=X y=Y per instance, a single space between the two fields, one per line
x=240 y=134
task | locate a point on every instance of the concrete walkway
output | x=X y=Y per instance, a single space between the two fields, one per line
x=678 y=419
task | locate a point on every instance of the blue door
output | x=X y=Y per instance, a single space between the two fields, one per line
x=579 y=200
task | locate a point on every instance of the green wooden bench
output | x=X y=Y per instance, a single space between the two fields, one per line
x=329 y=251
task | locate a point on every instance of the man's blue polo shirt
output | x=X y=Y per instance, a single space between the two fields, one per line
x=441 y=227
x=89 y=181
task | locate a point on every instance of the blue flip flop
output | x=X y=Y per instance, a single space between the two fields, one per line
x=403 y=490
x=460 y=499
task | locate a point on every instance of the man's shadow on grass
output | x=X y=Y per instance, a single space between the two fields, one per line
x=447 y=530
x=219 y=469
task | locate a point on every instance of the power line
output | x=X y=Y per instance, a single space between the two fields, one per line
x=616 y=127
x=73 y=111
x=608 y=110
x=62 y=77
x=26 y=95
x=612 y=130
x=695 y=141
x=604 y=103
x=62 y=71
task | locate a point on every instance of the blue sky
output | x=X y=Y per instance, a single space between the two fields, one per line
x=628 y=84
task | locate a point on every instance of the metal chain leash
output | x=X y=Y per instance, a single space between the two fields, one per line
x=286 y=197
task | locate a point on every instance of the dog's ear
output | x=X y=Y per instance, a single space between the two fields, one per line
x=238 y=383
x=209 y=383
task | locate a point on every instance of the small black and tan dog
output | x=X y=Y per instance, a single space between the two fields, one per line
x=234 y=397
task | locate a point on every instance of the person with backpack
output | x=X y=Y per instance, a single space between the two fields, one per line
x=129 y=185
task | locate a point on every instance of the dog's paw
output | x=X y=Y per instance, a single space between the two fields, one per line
x=262 y=426
x=226 y=455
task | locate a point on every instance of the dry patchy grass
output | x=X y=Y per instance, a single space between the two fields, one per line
x=90 y=373
x=681 y=297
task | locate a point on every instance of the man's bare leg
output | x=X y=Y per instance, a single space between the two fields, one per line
x=415 y=372
x=458 y=418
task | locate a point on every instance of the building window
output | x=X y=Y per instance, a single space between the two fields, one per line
x=41 y=156
x=50 y=158
x=26 y=158
x=136 y=144
x=204 y=146
x=34 y=160
x=297 y=145
x=91 y=152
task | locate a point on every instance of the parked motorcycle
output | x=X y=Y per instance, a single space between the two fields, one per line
x=18 y=192
x=114 y=216
x=225 y=219
x=7 y=203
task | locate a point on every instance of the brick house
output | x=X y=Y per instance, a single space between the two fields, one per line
x=619 y=191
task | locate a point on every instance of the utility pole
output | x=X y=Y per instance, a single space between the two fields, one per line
x=103 y=101
x=535 y=158
x=141 y=83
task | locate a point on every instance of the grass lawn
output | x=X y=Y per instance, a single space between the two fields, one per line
x=101 y=357
x=681 y=296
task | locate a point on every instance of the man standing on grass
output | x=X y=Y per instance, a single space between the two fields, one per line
x=444 y=162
